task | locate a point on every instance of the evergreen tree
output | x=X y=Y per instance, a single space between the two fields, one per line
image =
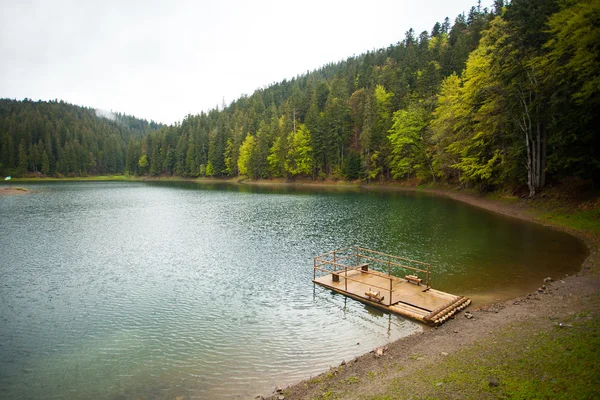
x=247 y=155
x=499 y=98
x=299 y=160
x=45 y=164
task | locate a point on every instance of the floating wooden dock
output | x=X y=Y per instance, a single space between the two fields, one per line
x=370 y=277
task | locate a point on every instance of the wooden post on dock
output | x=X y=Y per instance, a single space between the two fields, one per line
x=314 y=268
x=357 y=256
x=334 y=260
x=335 y=277
x=346 y=278
x=389 y=275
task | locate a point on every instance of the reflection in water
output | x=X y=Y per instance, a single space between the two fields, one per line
x=376 y=312
x=161 y=289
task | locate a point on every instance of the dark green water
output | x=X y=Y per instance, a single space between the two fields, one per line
x=118 y=289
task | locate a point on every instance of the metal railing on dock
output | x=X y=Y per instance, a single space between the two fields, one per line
x=340 y=262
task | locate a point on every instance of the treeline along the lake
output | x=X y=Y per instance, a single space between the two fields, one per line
x=56 y=138
x=500 y=98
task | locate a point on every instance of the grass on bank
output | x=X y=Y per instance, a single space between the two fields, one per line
x=558 y=206
x=557 y=362
x=586 y=218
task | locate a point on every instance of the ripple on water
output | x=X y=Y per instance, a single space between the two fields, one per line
x=113 y=289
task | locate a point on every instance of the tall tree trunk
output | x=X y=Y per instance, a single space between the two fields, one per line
x=535 y=134
x=538 y=155
x=525 y=124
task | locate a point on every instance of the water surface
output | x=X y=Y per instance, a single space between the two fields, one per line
x=159 y=290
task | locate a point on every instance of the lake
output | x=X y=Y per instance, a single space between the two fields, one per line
x=161 y=289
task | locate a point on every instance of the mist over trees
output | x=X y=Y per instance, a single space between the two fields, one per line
x=506 y=97
x=60 y=139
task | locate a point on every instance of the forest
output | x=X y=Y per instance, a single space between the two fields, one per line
x=59 y=139
x=500 y=98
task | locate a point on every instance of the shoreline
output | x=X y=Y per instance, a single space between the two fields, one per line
x=511 y=207
x=408 y=358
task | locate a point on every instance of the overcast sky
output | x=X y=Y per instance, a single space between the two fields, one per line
x=162 y=60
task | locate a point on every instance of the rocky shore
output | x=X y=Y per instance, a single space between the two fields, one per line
x=425 y=365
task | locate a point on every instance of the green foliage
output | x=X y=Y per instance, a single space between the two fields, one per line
x=143 y=162
x=448 y=119
x=247 y=155
x=497 y=99
x=471 y=120
x=408 y=137
x=574 y=48
x=571 y=70
x=383 y=99
x=231 y=158
x=557 y=362
x=45 y=164
x=299 y=160
x=492 y=118
x=352 y=166
x=66 y=140
x=277 y=157
x=23 y=159
x=210 y=169
x=190 y=161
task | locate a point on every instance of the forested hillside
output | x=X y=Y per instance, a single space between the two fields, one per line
x=334 y=122
x=506 y=97
x=60 y=139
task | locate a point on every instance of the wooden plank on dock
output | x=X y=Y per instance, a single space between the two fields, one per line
x=407 y=297
x=426 y=300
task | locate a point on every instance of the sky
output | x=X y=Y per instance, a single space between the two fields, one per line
x=163 y=60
